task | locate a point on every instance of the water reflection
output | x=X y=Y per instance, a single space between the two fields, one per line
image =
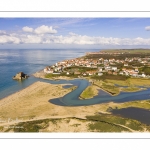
x=139 y=114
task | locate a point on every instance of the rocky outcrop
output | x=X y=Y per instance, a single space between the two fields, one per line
x=20 y=76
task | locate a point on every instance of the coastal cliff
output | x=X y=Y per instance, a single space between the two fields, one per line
x=20 y=76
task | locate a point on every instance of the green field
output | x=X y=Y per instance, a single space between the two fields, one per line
x=120 y=54
x=111 y=77
x=132 y=51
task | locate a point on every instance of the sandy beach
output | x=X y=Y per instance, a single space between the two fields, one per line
x=32 y=103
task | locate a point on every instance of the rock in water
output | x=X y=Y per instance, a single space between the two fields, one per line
x=20 y=76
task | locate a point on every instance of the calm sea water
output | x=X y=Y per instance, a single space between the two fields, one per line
x=29 y=61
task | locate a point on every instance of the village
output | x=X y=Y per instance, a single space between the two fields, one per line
x=131 y=67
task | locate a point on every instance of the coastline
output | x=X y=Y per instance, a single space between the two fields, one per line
x=32 y=104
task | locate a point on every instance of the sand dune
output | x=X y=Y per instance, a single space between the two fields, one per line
x=33 y=103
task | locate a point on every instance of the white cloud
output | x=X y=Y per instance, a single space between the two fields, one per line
x=31 y=39
x=71 y=38
x=45 y=29
x=27 y=29
x=2 y=32
x=147 y=28
x=40 y=30
x=9 y=39
x=82 y=40
x=72 y=34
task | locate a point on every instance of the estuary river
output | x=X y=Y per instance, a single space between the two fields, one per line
x=30 y=61
x=72 y=98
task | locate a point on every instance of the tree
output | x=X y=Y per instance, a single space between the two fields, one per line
x=146 y=70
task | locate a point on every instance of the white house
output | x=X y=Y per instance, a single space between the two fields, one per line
x=143 y=75
x=90 y=74
x=100 y=69
x=56 y=69
x=114 y=68
x=45 y=70
x=106 y=60
x=48 y=70
x=121 y=72
x=125 y=64
x=134 y=75
x=100 y=73
x=136 y=70
x=88 y=65
x=108 y=68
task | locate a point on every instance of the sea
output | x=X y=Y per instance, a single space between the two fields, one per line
x=30 y=61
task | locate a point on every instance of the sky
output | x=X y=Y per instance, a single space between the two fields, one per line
x=74 y=33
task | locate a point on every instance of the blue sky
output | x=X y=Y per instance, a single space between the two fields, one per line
x=74 y=32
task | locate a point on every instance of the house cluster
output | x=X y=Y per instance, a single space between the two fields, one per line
x=60 y=66
x=101 y=66
x=132 y=72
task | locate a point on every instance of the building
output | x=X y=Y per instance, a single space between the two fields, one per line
x=125 y=64
x=143 y=75
x=136 y=70
x=114 y=68
x=100 y=69
x=100 y=73
x=121 y=72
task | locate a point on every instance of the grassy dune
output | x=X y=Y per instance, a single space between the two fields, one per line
x=140 y=104
x=132 y=89
x=89 y=92
x=132 y=85
x=108 y=87
x=139 y=82
x=119 y=82
x=111 y=123
x=92 y=123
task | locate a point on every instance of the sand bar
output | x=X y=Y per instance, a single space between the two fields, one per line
x=33 y=103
